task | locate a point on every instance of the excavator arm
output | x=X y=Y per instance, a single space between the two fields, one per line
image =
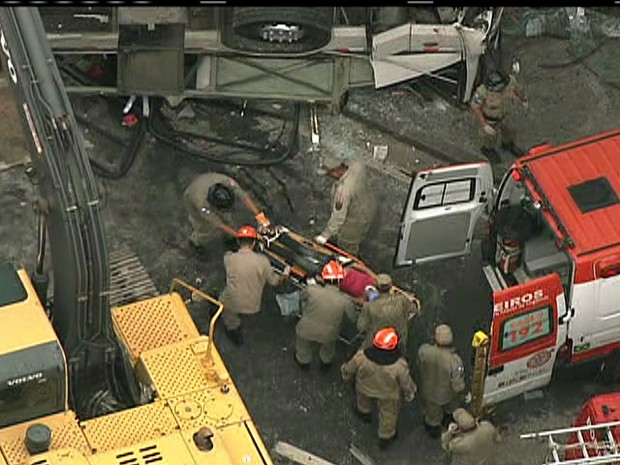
x=69 y=200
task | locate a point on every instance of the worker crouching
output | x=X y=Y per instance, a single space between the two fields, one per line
x=469 y=442
x=323 y=308
x=247 y=273
x=381 y=375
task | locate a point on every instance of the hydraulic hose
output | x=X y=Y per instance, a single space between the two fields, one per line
x=178 y=140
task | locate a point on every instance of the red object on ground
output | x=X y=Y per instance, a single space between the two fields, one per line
x=130 y=120
x=599 y=409
x=355 y=282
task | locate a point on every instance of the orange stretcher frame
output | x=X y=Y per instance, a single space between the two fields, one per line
x=299 y=275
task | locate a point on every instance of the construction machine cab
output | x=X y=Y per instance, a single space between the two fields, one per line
x=33 y=370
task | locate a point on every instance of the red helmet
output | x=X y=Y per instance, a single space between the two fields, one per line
x=386 y=339
x=247 y=232
x=333 y=271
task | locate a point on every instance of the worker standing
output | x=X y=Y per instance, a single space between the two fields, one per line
x=387 y=310
x=247 y=272
x=323 y=308
x=490 y=104
x=210 y=202
x=353 y=207
x=381 y=375
x=469 y=442
x=442 y=379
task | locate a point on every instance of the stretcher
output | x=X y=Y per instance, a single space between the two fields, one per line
x=306 y=258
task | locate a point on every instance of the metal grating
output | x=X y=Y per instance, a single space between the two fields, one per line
x=129 y=280
x=129 y=427
x=66 y=433
x=154 y=323
x=175 y=370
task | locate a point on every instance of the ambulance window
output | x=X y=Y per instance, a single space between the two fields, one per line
x=445 y=193
x=593 y=194
x=526 y=327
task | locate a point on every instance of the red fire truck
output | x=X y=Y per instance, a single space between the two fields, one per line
x=552 y=256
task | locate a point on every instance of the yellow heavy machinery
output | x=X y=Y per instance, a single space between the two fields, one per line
x=81 y=382
x=196 y=415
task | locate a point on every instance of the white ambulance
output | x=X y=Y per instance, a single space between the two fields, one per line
x=552 y=257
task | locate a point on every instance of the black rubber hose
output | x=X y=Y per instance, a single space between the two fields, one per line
x=228 y=158
x=128 y=158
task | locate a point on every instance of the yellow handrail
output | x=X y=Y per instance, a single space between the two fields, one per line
x=208 y=298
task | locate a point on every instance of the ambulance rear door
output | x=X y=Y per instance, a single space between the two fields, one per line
x=527 y=329
x=441 y=212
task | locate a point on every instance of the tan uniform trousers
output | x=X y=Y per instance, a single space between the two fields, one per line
x=388 y=409
x=434 y=413
x=352 y=234
x=504 y=134
x=304 y=348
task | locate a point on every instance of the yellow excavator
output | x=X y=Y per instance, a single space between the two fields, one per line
x=80 y=382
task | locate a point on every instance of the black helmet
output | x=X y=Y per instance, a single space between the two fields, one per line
x=221 y=196
x=496 y=81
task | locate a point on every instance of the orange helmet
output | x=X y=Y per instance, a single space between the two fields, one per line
x=333 y=271
x=247 y=232
x=386 y=339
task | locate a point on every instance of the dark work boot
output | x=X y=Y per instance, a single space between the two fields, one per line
x=514 y=149
x=199 y=251
x=324 y=367
x=433 y=431
x=385 y=442
x=235 y=336
x=303 y=366
x=491 y=154
x=365 y=417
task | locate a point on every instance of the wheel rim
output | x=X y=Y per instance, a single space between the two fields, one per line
x=280 y=32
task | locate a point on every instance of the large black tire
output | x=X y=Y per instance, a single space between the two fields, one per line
x=246 y=23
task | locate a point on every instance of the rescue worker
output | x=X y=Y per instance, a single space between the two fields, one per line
x=322 y=310
x=353 y=207
x=388 y=309
x=247 y=272
x=210 y=201
x=442 y=379
x=489 y=105
x=469 y=442
x=381 y=374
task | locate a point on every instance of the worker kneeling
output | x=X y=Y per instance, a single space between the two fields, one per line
x=323 y=307
x=381 y=374
x=469 y=442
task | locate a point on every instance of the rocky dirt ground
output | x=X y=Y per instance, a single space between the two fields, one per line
x=144 y=211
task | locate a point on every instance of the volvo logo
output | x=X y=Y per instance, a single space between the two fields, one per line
x=25 y=379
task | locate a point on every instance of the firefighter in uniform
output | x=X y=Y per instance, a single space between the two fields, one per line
x=353 y=207
x=210 y=201
x=247 y=272
x=381 y=374
x=322 y=310
x=469 y=442
x=442 y=379
x=490 y=104
x=387 y=310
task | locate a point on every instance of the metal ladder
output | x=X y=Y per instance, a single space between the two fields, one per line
x=601 y=448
